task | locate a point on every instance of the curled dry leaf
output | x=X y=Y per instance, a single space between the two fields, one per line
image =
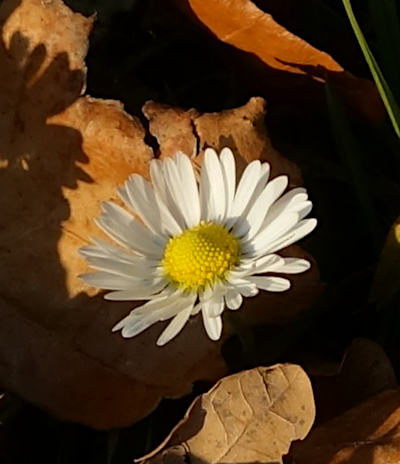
x=245 y=26
x=369 y=433
x=252 y=416
x=60 y=156
x=364 y=372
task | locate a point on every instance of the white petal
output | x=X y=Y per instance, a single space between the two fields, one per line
x=245 y=190
x=252 y=222
x=107 y=281
x=303 y=208
x=143 y=291
x=177 y=187
x=248 y=290
x=212 y=188
x=159 y=301
x=135 y=324
x=140 y=196
x=293 y=196
x=243 y=286
x=213 y=325
x=271 y=284
x=233 y=300
x=204 y=194
x=182 y=300
x=142 y=317
x=239 y=272
x=196 y=309
x=158 y=181
x=254 y=193
x=213 y=291
x=265 y=264
x=207 y=293
x=294 y=201
x=103 y=249
x=288 y=200
x=227 y=161
x=169 y=225
x=272 y=232
x=162 y=191
x=176 y=325
x=265 y=171
x=174 y=195
x=116 y=266
x=301 y=229
x=154 y=213
x=217 y=306
x=189 y=190
x=291 y=266
x=122 y=227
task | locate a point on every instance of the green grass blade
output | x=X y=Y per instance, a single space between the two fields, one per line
x=383 y=88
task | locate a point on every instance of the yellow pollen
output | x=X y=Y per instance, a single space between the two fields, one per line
x=200 y=256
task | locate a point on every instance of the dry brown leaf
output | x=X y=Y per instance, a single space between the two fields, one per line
x=60 y=156
x=245 y=26
x=241 y=129
x=367 y=434
x=252 y=416
x=364 y=372
x=56 y=167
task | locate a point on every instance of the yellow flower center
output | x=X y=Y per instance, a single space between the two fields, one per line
x=200 y=256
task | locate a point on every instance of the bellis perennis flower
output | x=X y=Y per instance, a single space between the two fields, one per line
x=201 y=246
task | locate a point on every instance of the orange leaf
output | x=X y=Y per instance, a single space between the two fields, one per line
x=242 y=24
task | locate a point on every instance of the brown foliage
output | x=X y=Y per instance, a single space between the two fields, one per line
x=60 y=156
x=243 y=25
x=252 y=416
x=367 y=434
x=364 y=372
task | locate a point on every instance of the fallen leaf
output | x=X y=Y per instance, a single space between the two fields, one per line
x=249 y=28
x=61 y=154
x=364 y=372
x=241 y=129
x=242 y=24
x=369 y=433
x=252 y=416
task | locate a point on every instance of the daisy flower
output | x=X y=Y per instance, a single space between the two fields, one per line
x=199 y=246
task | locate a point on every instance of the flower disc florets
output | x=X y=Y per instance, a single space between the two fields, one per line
x=200 y=256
